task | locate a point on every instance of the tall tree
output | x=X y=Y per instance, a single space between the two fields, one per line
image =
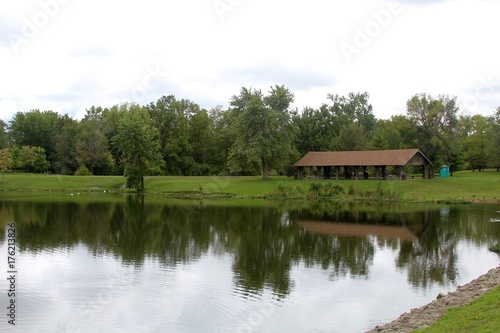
x=171 y=117
x=35 y=128
x=92 y=148
x=34 y=159
x=315 y=130
x=436 y=121
x=138 y=142
x=64 y=161
x=200 y=138
x=386 y=136
x=475 y=143
x=224 y=136
x=4 y=142
x=355 y=108
x=40 y=163
x=494 y=141
x=263 y=127
x=5 y=161
x=350 y=137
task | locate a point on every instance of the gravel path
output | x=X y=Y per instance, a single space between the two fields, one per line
x=428 y=314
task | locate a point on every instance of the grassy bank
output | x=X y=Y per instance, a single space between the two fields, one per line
x=482 y=315
x=463 y=186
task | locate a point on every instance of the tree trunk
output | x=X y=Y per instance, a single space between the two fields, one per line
x=265 y=169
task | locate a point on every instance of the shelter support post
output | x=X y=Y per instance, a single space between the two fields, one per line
x=299 y=173
x=425 y=169
x=398 y=172
x=327 y=170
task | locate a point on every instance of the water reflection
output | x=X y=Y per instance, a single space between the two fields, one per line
x=265 y=242
x=255 y=251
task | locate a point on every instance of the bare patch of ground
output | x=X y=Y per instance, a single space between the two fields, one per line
x=430 y=313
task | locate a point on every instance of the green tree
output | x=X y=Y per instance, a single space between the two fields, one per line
x=437 y=124
x=223 y=137
x=15 y=152
x=354 y=108
x=333 y=126
x=4 y=142
x=475 y=142
x=263 y=127
x=92 y=148
x=40 y=163
x=494 y=141
x=138 y=143
x=5 y=161
x=26 y=157
x=315 y=130
x=36 y=129
x=64 y=160
x=171 y=118
x=386 y=136
x=201 y=139
x=350 y=137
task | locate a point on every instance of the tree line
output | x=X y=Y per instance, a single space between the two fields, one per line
x=258 y=133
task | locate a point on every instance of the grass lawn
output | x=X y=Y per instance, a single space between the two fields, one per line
x=482 y=315
x=59 y=183
x=465 y=185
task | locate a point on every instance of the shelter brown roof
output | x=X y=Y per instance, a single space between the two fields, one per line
x=360 y=158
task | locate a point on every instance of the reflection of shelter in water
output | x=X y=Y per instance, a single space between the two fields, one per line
x=357 y=230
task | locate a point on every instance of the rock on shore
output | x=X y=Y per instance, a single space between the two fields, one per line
x=428 y=314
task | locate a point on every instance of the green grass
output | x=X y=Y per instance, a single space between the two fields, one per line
x=482 y=315
x=59 y=183
x=463 y=186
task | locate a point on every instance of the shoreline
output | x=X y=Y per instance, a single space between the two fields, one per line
x=428 y=314
x=462 y=188
x=198 y=195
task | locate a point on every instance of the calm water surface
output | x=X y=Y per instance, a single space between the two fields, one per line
x=109 y=263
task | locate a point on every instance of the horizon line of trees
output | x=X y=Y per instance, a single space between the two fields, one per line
x=258 y=133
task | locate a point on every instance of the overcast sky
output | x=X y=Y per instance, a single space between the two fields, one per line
x=67 y=55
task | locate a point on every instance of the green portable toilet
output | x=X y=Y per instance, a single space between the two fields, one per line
x=444 y=171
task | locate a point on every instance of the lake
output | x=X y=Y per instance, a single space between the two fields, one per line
x=125 y=263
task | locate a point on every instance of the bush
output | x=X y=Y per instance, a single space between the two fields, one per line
x=83 y=171
x=325 y=190
x=283 y=191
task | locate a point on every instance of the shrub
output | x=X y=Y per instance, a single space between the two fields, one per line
x=325 y=190
x=83 y=171
x=284 y=191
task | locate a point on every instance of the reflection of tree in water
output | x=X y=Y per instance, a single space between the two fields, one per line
x=338 y=254
x=430 y=258
x=433 y=258
x=264 y=242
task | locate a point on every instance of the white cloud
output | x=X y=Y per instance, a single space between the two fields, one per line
x=73 y=54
